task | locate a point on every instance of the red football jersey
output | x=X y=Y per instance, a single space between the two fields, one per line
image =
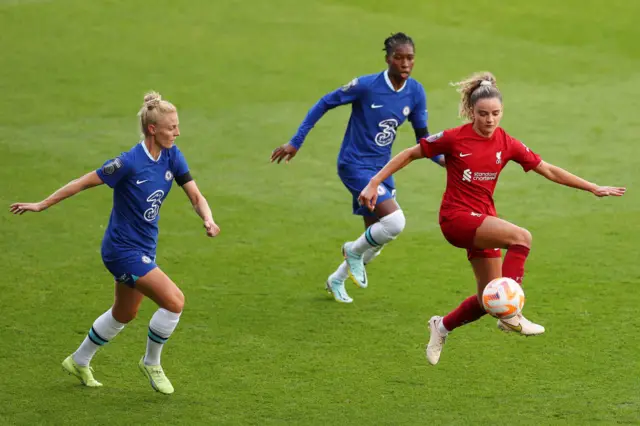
x=473 y=165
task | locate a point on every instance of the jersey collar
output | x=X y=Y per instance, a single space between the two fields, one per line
x=386 y=78
x=146 y=151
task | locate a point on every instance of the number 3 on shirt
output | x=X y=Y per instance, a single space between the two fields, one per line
x=155 y=199
x=388 y=133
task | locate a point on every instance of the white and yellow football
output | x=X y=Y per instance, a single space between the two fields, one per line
x=503 y=298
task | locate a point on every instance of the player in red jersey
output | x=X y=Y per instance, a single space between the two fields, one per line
x=475 y=154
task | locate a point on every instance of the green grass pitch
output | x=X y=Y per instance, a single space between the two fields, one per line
x=260 y=343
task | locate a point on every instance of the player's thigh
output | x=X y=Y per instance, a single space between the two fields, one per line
x=485 y=270
x=382 y=209
x=126 y=303
x=386 y=207
x=126 y=270
x=498 y=233
x=157 y=286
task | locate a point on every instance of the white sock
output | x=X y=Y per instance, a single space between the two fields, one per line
x=104 y=329
x=371 y=254
x=161 y=326
x=441 y=329
x=341 y=273
x=380 y=233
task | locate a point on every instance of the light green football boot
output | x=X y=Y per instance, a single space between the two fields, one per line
x=156 y=377
x=357 y=271
x=337 y=290
x=85 y=374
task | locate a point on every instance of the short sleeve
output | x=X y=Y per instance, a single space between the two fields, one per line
x=116 y=169
x=437 y=144
x=522 y=155
x=180 y=167
x=419 y=115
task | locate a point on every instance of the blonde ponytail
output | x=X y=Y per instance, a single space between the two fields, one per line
x=481 y=85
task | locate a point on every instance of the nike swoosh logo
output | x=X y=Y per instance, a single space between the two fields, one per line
x=138 y=182
x=465 y=155
x=517 y=328
x=374 y=106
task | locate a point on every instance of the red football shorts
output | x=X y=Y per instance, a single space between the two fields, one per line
x=459 y=228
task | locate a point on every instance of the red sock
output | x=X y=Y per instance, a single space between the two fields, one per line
x=513 y=266
x=468 y=311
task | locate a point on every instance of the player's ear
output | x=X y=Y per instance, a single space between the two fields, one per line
x=152 y=129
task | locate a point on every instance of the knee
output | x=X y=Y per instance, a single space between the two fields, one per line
x=124 y=315
x=522 y=237
x=175 y=302
x=394 y=223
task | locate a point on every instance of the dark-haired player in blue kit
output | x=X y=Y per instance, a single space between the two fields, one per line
x=141 y=180
x=380 y=103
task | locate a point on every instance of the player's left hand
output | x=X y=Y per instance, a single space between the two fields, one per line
x=369 y=196
x=606 y=191
x=284 y=152
x=211 y=227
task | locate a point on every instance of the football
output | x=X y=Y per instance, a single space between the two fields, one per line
x=503 y=298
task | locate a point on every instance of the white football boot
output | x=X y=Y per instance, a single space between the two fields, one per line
x=519 y=324
x=436 y=341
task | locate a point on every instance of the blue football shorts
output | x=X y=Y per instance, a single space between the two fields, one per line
x=129 y=266
x=355 y=178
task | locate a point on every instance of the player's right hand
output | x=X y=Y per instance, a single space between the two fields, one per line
x=609 y=191
x=284 y=152
x=20 y=208
x=369 y=196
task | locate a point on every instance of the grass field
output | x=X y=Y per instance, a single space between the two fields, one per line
x=260 y=342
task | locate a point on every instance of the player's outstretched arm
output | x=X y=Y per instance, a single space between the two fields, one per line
x=201 y=206
x=563 y=177
x=369 y=194
x=342 y=96
x=87 y=181
x=289 y=150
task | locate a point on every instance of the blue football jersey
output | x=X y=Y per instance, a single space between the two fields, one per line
x=377 y=110
x=140 y=185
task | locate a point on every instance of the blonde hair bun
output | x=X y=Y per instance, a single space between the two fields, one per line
x=152 y=109
x=152 y=99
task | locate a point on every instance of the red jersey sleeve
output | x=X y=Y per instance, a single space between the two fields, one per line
x=437 y=144
x=522 y=155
